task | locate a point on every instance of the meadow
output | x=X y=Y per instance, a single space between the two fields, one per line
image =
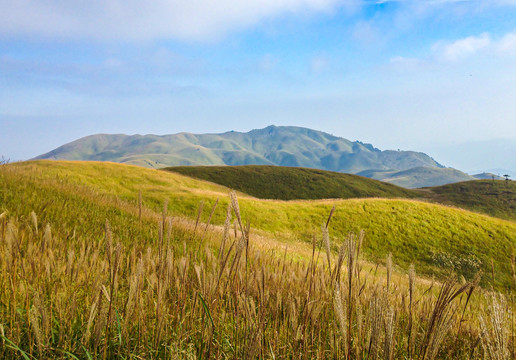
x=111 y=261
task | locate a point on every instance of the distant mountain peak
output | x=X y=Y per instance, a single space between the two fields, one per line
x=272 y=145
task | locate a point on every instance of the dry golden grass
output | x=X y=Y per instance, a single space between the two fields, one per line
x=145 y=284
x=193 y=293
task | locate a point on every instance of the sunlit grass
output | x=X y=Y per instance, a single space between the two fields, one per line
x=82 y=275
x=413 y=231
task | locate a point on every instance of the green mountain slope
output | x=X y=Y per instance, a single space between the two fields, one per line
x=418 y=177
x=429 y=235
x=487 y=176
x=283 y=145
x=293 y=183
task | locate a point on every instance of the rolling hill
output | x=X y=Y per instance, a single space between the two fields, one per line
x=292 y=183
x=418 y=177
x=496 y=198
x=493 y=197
x=273 y=145
x=89 y=271
x=413 y=231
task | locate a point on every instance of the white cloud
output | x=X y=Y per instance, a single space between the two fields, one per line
x=179 y=19
x=507 y=44
x=461 y=48
x=142 y=20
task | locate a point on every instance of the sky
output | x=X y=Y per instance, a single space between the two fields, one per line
x=437 y=76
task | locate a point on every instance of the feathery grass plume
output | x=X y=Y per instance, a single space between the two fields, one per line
x=376 y=314
x=91 y=318
x=12 y=236
x=412 y=281
x=197 y=269
x=235 y=229
x=389 y=344
x=34 y=219
x=47 y=238
x=169 y=229
x=236 y=209
x=442 y=316
x=34 y=320
x=352 y=248
x=44 y=315
x=113 y=274
x=494 y=324
x=339 y=313
x=326 y=241
x=474 y=283
x=340 y=259
x=133 y=290
x=3 y=215
x=359 y=333
x=10 y=241
x=389 y=271
x=225 y=236
x=239 y=248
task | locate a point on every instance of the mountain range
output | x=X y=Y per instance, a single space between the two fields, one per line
x=273 y=145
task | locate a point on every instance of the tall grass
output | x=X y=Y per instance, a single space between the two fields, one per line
x=182 y=292
x=86 y=275
x=432 y=237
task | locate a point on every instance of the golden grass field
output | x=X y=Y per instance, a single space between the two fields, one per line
x=111 y=261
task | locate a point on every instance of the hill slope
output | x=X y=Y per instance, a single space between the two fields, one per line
x=288 y=183
x=292 y=183
x=283 y=145
x=91 y=274
x=496 y=198
x=414 y=232
x=418 y=177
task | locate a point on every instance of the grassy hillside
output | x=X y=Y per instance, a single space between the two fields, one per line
x=414 y=232
x=90 y=272
x=286 y=183
x=273 y=145
x=291 y=183
x=418 y=177
x=496 y=198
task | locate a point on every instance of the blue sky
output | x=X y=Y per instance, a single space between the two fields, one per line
x=426 y=75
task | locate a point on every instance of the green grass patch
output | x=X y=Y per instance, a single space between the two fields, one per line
x=293 y=183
